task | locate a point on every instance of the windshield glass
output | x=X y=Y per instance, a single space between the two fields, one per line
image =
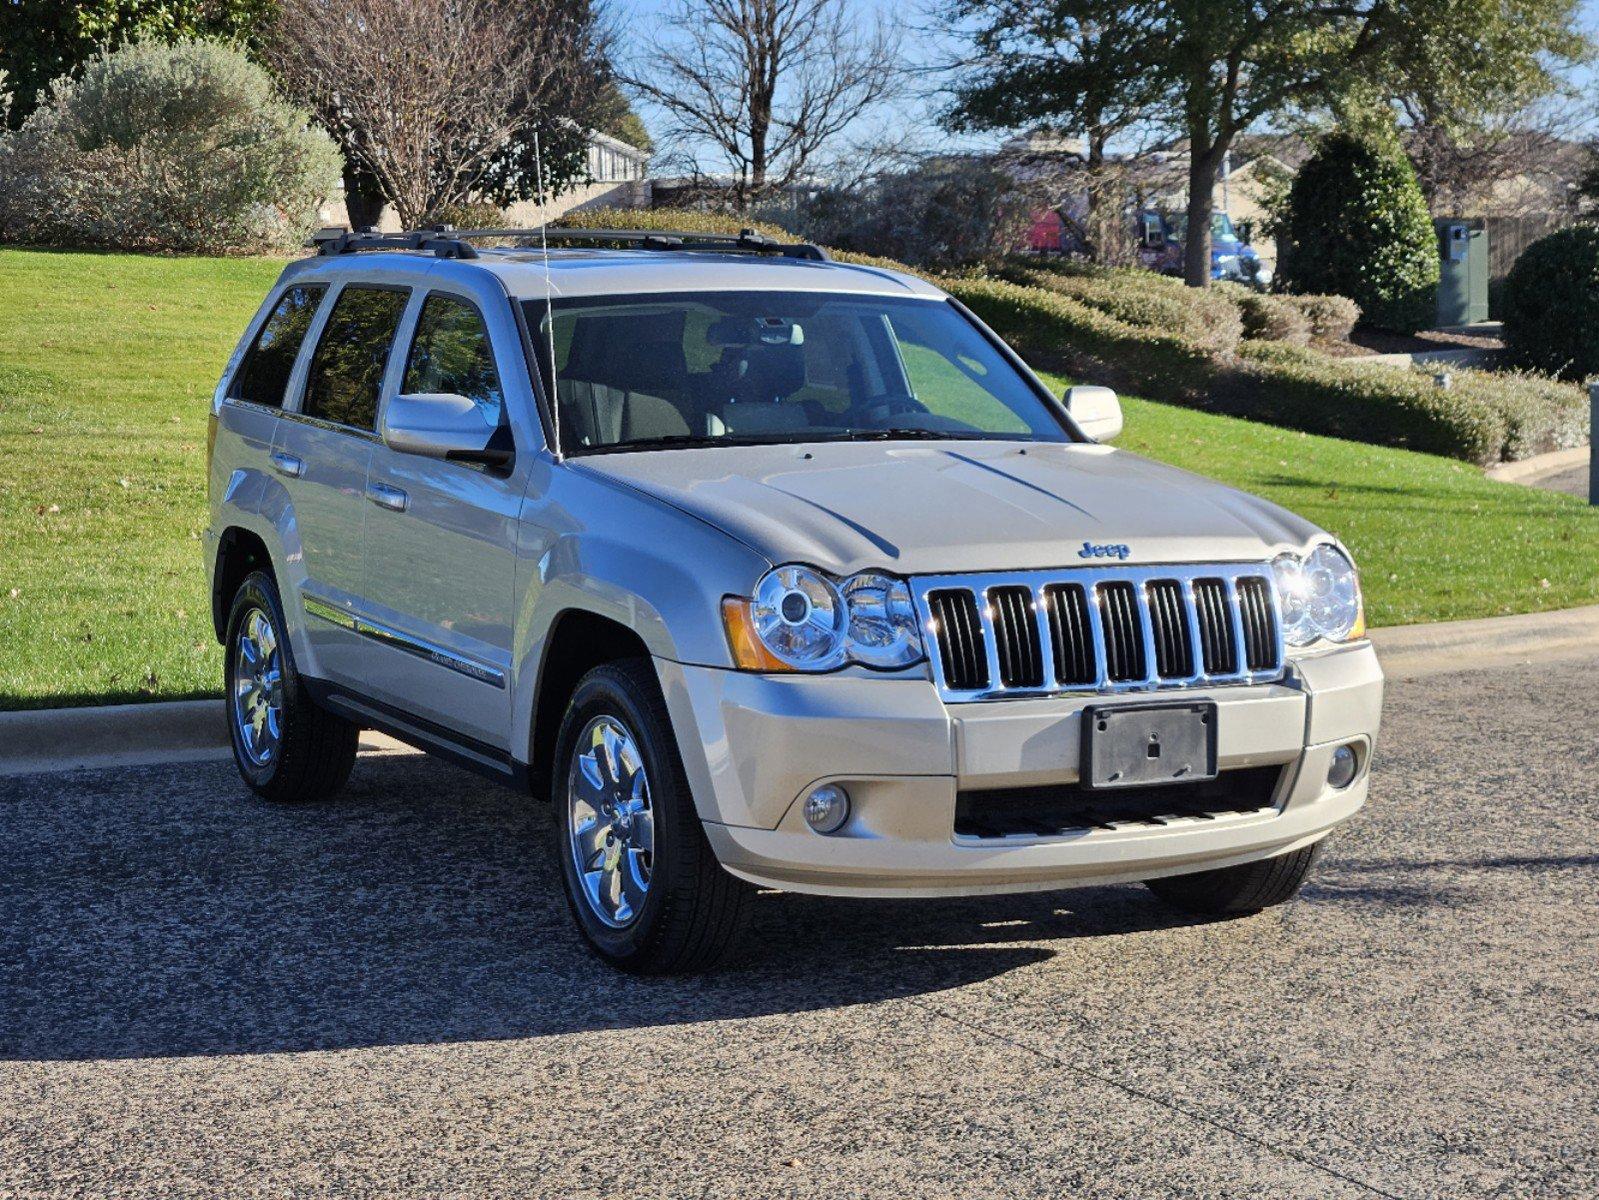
x=709 y=368
x=1221 y=227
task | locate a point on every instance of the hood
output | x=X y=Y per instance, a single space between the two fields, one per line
x=936 y=508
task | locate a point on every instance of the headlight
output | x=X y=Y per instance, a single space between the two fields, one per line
x=801 y=620
x=1320 y=596
x=882 y=621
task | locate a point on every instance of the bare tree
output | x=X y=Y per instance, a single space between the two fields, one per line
x=767 y=83
x=1516 y=162
x=433 y=99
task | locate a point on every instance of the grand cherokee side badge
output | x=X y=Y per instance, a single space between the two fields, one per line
x=1105 y=550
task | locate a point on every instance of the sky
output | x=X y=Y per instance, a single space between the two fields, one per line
x=636 y=20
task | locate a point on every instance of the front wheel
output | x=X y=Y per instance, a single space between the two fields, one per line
x=641 y=880
x=1247 y=888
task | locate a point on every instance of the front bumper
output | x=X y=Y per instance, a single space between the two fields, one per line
x=754 y=746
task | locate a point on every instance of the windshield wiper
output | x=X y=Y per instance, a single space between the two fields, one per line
x=675 y=441
x=907 y=434
x=698 y=441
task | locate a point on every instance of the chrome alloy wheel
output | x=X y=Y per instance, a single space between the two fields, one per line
x=610 y=824
x=258 y=688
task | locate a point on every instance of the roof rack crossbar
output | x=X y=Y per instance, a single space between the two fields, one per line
x=440 y=241
x=449 y=242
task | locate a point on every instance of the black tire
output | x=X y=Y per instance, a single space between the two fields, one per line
x=693 y=912
x=315 y=749
x=1242 y=889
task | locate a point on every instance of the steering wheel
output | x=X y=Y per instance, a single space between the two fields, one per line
x=893 y=406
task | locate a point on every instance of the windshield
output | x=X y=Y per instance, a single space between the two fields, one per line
x=711 y=368
x=1221 y=227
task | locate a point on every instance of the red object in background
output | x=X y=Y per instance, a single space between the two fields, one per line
x=1048 y=233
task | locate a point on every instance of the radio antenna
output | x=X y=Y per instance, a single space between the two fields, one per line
x=549 y=315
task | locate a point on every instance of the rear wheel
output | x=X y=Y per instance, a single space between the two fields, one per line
x=1241 y=889
x=286 y=747
x=642 y=881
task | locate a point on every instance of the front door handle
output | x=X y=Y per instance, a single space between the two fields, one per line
x=288 y=464
x=385 y=496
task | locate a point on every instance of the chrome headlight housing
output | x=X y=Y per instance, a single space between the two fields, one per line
x=1320 y=596
x=799 y=619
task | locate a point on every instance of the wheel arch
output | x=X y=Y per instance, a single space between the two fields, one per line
x=579 y=640
x=239 y=552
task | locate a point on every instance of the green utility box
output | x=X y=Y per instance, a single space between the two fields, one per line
x=1463 y=272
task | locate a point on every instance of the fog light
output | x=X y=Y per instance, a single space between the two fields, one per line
x=1344 y=764
x=827 y=808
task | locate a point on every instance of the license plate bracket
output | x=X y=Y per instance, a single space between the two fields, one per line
x=1140 y=745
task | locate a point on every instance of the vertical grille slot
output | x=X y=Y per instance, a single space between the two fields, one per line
x=1124 y=632
x=1217 y=643
x=1168 y=621
x=1070 y=632
x=961 y=649
x=1021 y=659
x=1260 y=624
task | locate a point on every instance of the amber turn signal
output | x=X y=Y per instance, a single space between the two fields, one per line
x=748 y=652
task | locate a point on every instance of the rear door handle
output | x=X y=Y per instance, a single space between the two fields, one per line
x=288 y=464
x=385 y=496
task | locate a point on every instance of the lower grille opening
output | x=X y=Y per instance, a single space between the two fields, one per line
x=1056 y=809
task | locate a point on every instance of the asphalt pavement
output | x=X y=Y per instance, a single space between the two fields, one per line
x=203 y=995
x=1574 y=481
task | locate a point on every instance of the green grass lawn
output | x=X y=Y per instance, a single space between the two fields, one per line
x=107 y=363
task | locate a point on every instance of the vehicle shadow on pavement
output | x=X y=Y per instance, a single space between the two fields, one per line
x=165 y=912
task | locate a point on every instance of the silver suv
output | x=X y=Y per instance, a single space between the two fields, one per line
x=765 y=570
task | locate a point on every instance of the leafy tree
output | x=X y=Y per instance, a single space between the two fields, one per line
x=42 y=40
x=1219 y=67
x=615 y=116
x=1357 y=225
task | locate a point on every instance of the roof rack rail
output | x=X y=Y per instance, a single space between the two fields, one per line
x=448 y=242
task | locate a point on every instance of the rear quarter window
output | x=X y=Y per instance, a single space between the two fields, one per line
x=263 y=375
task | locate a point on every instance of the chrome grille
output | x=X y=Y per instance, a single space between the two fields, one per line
x=1100 y=629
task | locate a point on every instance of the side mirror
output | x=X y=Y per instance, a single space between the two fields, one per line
x=1096 y=410
x=443 y=425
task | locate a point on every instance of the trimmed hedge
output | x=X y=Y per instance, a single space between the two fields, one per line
x=1273 y=319
x=1550 y=304
x=1061 y=333
x=1208 y=317
x=1332 y=318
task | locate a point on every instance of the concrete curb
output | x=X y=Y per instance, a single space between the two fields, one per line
x=1408 y=651
x=1527 y=470
x=124 y=735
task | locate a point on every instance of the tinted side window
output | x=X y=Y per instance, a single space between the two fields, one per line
x=347 y=369
x=264 y=373
x=451 y=354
